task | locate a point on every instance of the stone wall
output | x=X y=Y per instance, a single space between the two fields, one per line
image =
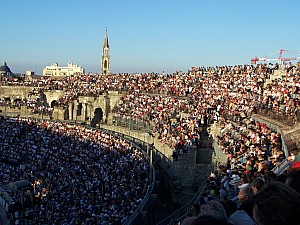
x=188 y=171
x=14 y=92
x=53 y=96
x=89 y=104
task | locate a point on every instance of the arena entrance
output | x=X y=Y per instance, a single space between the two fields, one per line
x=17 y=102
x=7 y=99
x=97 y=118
x=54 y=104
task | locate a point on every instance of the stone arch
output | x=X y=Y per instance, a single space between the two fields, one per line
x=17 y=100
x=97 y=118
x=54 y=104
x=7 y=99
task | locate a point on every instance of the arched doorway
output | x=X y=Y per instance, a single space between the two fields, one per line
x=7 y=99
x=97 y=118
x=54 y=104
x=17 y=102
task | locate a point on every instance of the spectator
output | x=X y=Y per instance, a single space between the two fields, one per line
x=240 y=217
x=257 y=184
x=276 y=204
x=214 y=209
x=229 y=206
x=235 y=216
x=244 y=196
x=293 y=179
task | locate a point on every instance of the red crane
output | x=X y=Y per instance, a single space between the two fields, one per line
x=281 y=60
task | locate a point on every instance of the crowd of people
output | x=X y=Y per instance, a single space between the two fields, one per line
x=179 y=106
x=262 y=199
x=187 y=102
x=80 y=175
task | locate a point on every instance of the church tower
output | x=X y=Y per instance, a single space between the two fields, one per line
x=105 y=64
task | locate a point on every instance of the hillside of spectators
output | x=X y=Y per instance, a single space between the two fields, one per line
x=79 y=175
x=179 y=105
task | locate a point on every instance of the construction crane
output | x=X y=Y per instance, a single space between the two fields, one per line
x=280 y=60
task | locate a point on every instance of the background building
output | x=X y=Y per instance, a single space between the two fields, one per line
x=105 y=64
x=29 y=73
x=56 y=70
x=5 y=70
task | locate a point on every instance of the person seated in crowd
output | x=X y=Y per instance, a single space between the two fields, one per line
x=276 y=204
x=244 y=196
x=257 y=184
x=293 y=179
x=235 y=216
x=214 y=209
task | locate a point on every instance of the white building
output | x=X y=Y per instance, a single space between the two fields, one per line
x=55 y=70
x=29 y=73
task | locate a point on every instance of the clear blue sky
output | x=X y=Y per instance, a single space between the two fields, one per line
x=145 y=36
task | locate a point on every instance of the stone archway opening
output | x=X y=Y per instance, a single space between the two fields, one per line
x=97 y=118
x=7 y=99
x=79 y=109
x=54 y=104
x=17 y=100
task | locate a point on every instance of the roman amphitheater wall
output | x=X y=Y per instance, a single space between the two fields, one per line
x=14 y=92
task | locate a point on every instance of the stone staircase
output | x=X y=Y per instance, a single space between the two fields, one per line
x=204 y=156
x=191 y=169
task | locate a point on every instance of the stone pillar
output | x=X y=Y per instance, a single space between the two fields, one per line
x=58 y=113
x=75 y=117
x=84 y=111
x=90 y=112
x=24 y=111
x=106 y=109
x=71 y=110
x=55 y=113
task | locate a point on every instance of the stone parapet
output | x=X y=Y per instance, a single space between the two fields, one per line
x=13 y=92
x=188 y=170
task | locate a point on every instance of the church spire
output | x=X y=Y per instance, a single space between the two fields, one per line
x=105 y=44
x=105 y=64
